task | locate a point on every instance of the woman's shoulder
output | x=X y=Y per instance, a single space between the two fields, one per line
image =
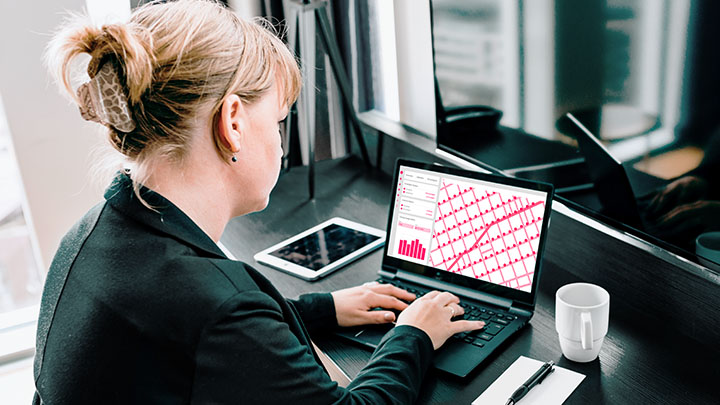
x=143 y=274
x=209 y=276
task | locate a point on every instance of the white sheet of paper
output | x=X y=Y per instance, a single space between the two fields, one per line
x=554 y=389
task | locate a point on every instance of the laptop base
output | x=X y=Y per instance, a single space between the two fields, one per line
x=462 y=352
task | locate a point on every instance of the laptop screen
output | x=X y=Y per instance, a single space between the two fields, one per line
x=480 y=228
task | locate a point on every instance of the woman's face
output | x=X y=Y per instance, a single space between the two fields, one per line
x=261 y=152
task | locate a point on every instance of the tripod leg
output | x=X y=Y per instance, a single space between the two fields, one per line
x=340 y=77
x=305 y=36
x=379 y=150
x=288 y=142
x=292 y=29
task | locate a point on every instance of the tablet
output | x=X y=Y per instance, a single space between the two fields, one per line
x=322 y=249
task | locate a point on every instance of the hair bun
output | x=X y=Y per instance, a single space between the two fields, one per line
x=126 y=46
x=103 y=99
x=131 y=47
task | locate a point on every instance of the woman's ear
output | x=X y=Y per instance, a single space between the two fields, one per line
x=231 y=125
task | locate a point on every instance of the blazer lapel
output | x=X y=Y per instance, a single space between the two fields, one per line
x=166 y=217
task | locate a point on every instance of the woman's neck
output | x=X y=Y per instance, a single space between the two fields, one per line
x=198 y=189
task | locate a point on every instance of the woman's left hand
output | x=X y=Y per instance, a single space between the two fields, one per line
x=353 y=306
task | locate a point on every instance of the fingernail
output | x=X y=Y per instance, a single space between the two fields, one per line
x=388 y=316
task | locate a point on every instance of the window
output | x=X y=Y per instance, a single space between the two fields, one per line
x=21 y=280
x=383 y=58
x=22 y=269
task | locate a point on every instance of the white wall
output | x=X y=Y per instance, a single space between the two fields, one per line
x=246 y=8
x=52 y=142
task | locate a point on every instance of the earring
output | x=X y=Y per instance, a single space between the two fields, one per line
x=234 y=158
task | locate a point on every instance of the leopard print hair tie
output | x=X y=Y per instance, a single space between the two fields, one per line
x=103 y=99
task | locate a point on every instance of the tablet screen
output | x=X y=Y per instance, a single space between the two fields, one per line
x=324 y=247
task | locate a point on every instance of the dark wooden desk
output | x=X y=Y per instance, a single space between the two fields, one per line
x=643 y=360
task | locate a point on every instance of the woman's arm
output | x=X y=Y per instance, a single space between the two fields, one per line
x=317 y=311
x=249 y=354
x=352 y=306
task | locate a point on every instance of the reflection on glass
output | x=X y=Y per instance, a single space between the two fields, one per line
x=476 y=54
x=641 y=77
x=686 y=211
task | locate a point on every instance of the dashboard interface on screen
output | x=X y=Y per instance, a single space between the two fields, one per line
x=475 y=228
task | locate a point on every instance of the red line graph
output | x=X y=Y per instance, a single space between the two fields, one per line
x=412 y=249
x=487 y=234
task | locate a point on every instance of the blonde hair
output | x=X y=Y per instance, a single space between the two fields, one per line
x=176 y=61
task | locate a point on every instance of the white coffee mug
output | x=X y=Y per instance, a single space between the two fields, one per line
x=582 y=312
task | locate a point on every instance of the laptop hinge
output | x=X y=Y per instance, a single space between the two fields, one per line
x=460 y=291
x=520 y=312
x=387 y=274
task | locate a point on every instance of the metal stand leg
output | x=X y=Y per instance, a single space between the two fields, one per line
x=379 y=150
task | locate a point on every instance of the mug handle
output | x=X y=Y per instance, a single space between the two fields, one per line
x=586 y=331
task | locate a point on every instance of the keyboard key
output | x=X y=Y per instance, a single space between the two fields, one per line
x=485 y=317
x=493 y=329
x=475 y=332
x=478 y=343
x=501 y=321
x=469 y=339
x=485 y=336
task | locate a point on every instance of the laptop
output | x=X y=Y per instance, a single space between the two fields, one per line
x=610 y=179
x=478 y=236
x=616 y=192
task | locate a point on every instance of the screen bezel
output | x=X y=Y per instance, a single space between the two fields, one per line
x=393 y=264
x=265 y=256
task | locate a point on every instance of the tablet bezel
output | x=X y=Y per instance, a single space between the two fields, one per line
x=264 y=257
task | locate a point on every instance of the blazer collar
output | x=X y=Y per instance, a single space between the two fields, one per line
x=168 y=219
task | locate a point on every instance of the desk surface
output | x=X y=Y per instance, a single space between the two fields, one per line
x=638 y=363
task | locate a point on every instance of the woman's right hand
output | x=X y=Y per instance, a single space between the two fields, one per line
x=432 y=313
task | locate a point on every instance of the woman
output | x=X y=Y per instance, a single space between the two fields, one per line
x=690 y=205
x=140 y=305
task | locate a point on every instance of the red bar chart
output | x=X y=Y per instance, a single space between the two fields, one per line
x=412 y=249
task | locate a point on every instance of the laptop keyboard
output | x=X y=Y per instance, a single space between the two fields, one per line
x=495 y=320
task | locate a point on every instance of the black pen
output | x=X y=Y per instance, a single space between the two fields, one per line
x=536 y=379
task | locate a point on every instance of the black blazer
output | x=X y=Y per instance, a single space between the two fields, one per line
x=141 y=306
